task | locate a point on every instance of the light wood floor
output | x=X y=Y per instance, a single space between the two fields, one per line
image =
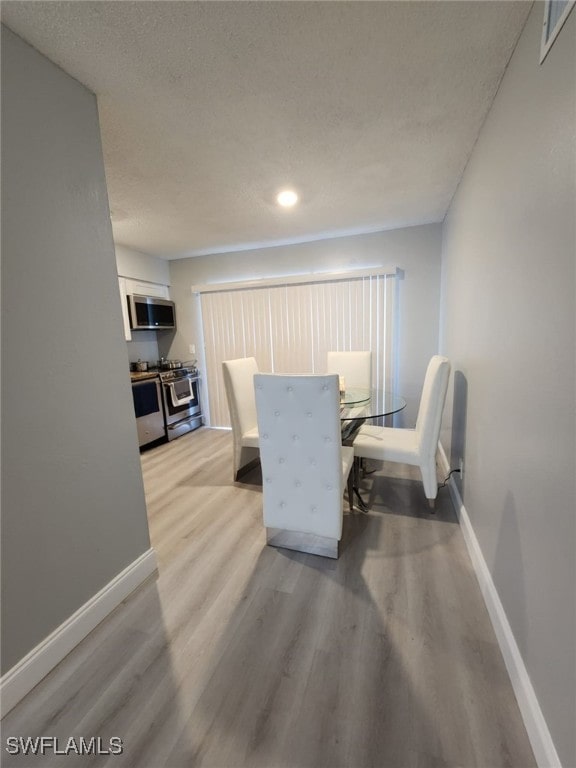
x=242 y=656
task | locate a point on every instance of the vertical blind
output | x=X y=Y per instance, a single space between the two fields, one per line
x=289 y=328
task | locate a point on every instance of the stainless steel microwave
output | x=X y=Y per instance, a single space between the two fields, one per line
x=148 y=313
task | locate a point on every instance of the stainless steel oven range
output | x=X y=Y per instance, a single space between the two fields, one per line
x=181 y=398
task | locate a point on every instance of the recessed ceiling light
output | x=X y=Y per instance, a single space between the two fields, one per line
x=287 y=198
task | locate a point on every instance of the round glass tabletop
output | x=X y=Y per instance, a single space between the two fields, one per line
x=358 y=403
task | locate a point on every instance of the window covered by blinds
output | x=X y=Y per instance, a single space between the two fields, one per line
x=289 y=328
x=555 y=14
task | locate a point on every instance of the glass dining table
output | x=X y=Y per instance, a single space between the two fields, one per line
x=357 y=406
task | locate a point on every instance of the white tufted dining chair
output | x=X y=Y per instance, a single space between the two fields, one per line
x=239 y=384
x=304 y=465
x=354 y=367
x=413 y=446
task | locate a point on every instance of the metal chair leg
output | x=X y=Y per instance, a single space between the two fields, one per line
x=351 y=490
x=361 y=503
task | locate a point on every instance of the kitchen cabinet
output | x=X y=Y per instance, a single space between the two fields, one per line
x=148 y=410
x=147 y=289
x=127 y=286
x=124 y=305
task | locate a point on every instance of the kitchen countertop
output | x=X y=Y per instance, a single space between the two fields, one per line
x=142 y=375
x=152 y=373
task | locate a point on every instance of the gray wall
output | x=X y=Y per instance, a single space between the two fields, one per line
x=509 y=258
x=141 y=266
x=73 y=511
x=416 y=250
x=144 y=346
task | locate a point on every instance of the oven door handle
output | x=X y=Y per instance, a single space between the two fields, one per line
x=178 y=402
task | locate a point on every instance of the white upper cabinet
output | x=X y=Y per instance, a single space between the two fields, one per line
x=141 y=274
x=147 y=289
x=127 y=287
x=124 y=305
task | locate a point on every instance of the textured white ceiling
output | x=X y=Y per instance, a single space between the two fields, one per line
x=368 y=109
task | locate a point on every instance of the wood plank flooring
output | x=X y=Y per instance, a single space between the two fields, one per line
x=242 y=656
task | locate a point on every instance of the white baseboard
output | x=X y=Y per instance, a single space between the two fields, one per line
x=28 y=672
x=536 y=727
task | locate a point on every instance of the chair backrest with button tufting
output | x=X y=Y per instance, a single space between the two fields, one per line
x=300 y=452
